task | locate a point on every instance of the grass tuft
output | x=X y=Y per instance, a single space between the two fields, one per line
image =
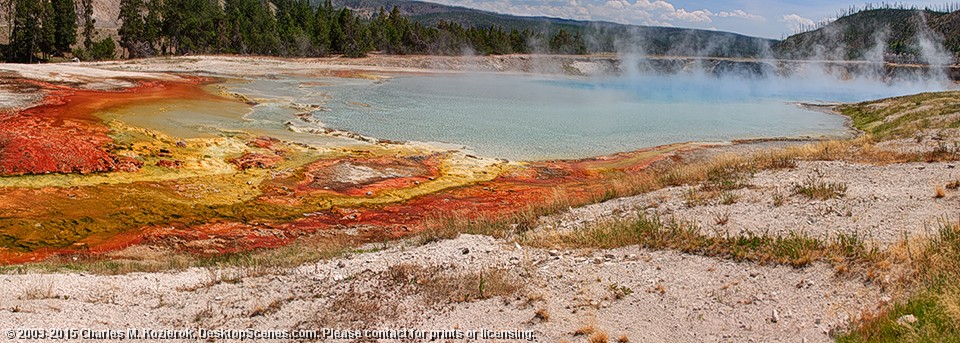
x=814 y=187
x=599 y=337
x=939 y=193
x=585 y=330
x=542 y=315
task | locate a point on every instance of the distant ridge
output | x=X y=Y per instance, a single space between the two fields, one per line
x=603 y=36
x=896 y=35
x=850 y=37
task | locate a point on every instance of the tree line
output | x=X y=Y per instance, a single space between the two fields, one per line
x=39 y=29
x=291 y=28
x=294 y=28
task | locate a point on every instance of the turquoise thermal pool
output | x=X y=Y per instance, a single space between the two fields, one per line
x=534 y=118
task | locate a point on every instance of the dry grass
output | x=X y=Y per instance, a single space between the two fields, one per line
x=953 y=185
x=383 y=296
x=542 y=315
x=270 y=308
x=216 y=276
x=586 y=330
x=659 y=288
x=438 y=285
x=721 y=218
x=39 y=290
x=204 y=314
x=794 y=249
x=304 y=250
x=939 y=193
x=599 y=337
x=778 y=199
x=357 y=309
x=814 y=187
x=934 y=296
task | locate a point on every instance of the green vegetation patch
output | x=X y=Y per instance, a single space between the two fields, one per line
x=906 y=116
x=935 y=306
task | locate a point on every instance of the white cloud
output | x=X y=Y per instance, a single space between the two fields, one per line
x=698 y=16
x=798 y=23
x=643 y=12
x=740 y=14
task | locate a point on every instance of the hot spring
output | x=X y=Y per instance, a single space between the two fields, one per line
x=521 y=117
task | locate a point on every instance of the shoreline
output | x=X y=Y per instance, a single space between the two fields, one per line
x=771 y=238
x=588 y=177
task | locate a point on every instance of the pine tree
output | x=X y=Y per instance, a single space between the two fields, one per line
x=48 y=29
x=65 y=25
x=26 y=35
x=132 y=29
x=251 y=27
x=294 y=20
x=565 y=43
x=337 y=37
x=321 y=28
x=191 y=25
x=153 y=27
x=86 y=18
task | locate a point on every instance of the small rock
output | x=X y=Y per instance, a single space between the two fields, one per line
x=609 y=257
x=465 y=251
x=369 y=193
x=775 y=317
x=340 y=264
x=554 y=252
x=907 y=320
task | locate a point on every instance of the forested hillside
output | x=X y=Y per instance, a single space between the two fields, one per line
x=906 y=35
x=41 y=29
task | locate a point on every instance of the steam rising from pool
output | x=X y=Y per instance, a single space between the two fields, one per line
x=521 y=117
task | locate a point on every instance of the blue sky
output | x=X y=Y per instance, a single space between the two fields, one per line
x=763 y=18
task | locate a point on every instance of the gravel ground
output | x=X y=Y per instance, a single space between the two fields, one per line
x=883 y=204
x=662 y=296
